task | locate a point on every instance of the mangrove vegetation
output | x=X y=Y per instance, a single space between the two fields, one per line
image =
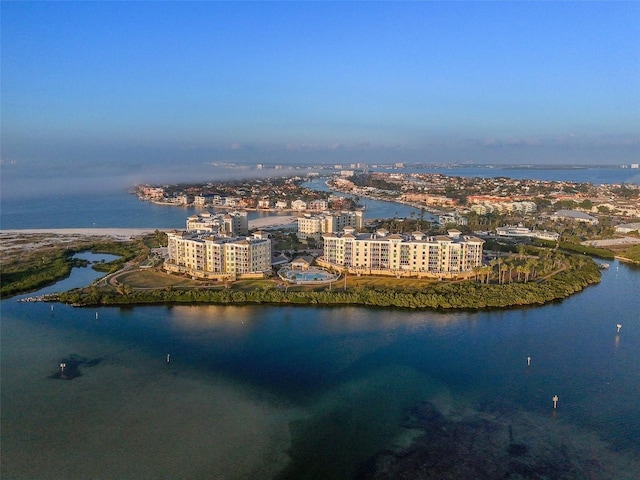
x=27 y=271
x=541 y=280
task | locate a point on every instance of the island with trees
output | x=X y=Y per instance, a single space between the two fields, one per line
x=515 y=272
x=528 y=276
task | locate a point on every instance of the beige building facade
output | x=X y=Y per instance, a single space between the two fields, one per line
x=229 y=224
x=214 y=257
x=314 y=226
x=414 y=255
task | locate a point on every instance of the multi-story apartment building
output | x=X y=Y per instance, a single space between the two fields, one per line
x=215 y=257
x=229 y=224
x=416 y=254
x=523 y=208
x=314 y=226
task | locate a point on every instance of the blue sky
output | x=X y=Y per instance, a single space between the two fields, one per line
x=132 y=83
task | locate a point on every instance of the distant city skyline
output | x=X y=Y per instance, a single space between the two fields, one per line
x=154 y=83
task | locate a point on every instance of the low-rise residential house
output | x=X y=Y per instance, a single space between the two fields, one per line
x=151 y=193
x=298 y=205
x=264 y=203
x=181 y=200
x=318 y=205
x=231 y=202
x=453 y=217
x=520 y=231
x=513 y=231
x=628 y=209
x=483 y=208
x=628 y=228
x=302 y=263
x=200 y=200
x=574 y=215
x=279 y=260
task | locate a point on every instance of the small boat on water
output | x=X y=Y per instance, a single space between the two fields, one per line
x=603 y=266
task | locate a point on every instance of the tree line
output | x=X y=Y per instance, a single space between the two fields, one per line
x=576 y=273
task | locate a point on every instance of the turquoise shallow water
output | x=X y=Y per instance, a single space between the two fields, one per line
x=308 y=392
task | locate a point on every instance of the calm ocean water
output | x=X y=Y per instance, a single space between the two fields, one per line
x=63 y=202
x=315 y=391
x=291 y=393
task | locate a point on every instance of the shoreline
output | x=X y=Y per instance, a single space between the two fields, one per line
x=120 y=233
x=128 y=233
x=439 y=296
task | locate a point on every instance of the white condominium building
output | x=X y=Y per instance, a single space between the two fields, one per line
x=229 y=224
x=210 y=256
x=314 y=226
x=523 y=208
x=415 y=253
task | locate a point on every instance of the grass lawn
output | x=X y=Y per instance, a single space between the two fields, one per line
x=385 y=282
x=158 y=279
x=253 y=284
x=155 y=279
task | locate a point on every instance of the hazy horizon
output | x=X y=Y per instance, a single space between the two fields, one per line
x=132 y=85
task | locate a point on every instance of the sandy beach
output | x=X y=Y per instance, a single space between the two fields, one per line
x=118 y=233
x=270 y=222
x=128 y=233
x=27 y=239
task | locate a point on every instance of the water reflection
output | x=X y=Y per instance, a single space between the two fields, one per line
x=235 y=321
x=353 y=370
x=239 y=320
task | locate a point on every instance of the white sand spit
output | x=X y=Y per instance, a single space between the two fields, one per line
x=120 y=233
x=268 y=222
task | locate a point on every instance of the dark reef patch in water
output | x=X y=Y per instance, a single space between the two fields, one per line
x=69 y=367
x=479 y=446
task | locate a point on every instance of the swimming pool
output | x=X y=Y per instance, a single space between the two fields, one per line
x=314 y=275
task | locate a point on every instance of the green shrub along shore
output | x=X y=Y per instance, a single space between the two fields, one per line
x=577 y=273
x=578 y=248
x=27 y=272
x=37 y=271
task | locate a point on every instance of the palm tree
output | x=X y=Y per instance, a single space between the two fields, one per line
x=558 y=259
x=519 y=271
x=510 y=267
x=476 y=271
x=526 y=270
x=503 y=273
x=531 y=267
x=499 y=262
x=492 y=263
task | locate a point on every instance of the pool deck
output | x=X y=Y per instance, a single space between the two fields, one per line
x=290 y=275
